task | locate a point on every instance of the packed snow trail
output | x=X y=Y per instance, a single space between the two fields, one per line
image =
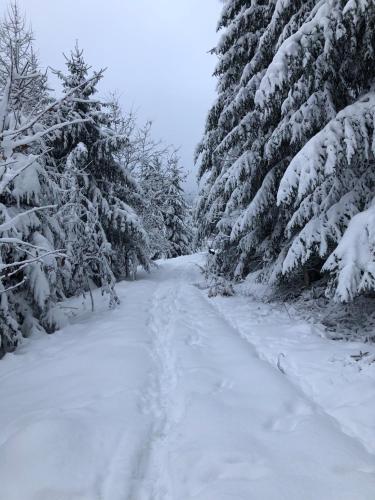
x=162 y=399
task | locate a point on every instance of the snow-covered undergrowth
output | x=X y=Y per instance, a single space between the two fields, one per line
x=166 y=398
x=353 y=321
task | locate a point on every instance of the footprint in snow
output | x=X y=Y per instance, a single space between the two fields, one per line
x=232 y=468
x=195 y=340
x=224 y=385
x=296 y=413
x=238 y=469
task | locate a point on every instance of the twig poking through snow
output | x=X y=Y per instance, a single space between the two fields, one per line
x=279 y=363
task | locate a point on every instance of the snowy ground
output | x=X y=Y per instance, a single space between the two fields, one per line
x=173 y=396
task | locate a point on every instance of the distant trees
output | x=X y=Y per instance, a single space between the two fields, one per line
x=287 y=159
x=165 y=212
x=179 y=233
x=74 y=208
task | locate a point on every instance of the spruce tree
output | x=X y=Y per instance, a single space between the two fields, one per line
x=165 y=213
x=323 y=200
x=243 y=22
x=31 y=257
x=278 y=181
x=154 y=184
x=179 y=234
x=102 y=180
x=29 y=90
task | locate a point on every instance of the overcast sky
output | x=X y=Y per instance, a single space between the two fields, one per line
x=156 y=52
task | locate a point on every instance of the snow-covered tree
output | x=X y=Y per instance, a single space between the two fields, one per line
x=323 y=200
x=231 y=160
x=87 y=248
x=142 y=159
x=165 y=212
x=329 y=181
x=242 y=22
x=153 y=181
x=31 y=258
x=296 y=164
x=103 y=181
x=74 y=209
x=53 y=239
x=179 y=234
x=29 y=90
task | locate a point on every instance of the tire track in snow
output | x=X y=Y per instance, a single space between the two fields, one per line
x=161 y=401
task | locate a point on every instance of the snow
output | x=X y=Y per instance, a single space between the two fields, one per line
x=328 y=372
x=176 y=396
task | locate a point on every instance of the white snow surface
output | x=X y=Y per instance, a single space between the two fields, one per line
x=174 y=396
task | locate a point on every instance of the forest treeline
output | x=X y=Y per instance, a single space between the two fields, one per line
x=286 y=164
x=86 y=194
x=287 y=159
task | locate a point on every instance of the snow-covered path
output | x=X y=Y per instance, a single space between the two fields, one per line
x=162 y=399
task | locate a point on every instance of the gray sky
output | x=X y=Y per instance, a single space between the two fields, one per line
x=155 y=51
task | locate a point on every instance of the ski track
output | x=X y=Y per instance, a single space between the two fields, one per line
x=181 y=408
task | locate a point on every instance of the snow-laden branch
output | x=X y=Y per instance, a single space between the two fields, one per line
x=18 y=241
x=6 y=226
x=9 y=177
x=352 y=263
x=39 y=135
x=24 y=263
x=277 y=72
x=346 y=136
x=37 y=118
